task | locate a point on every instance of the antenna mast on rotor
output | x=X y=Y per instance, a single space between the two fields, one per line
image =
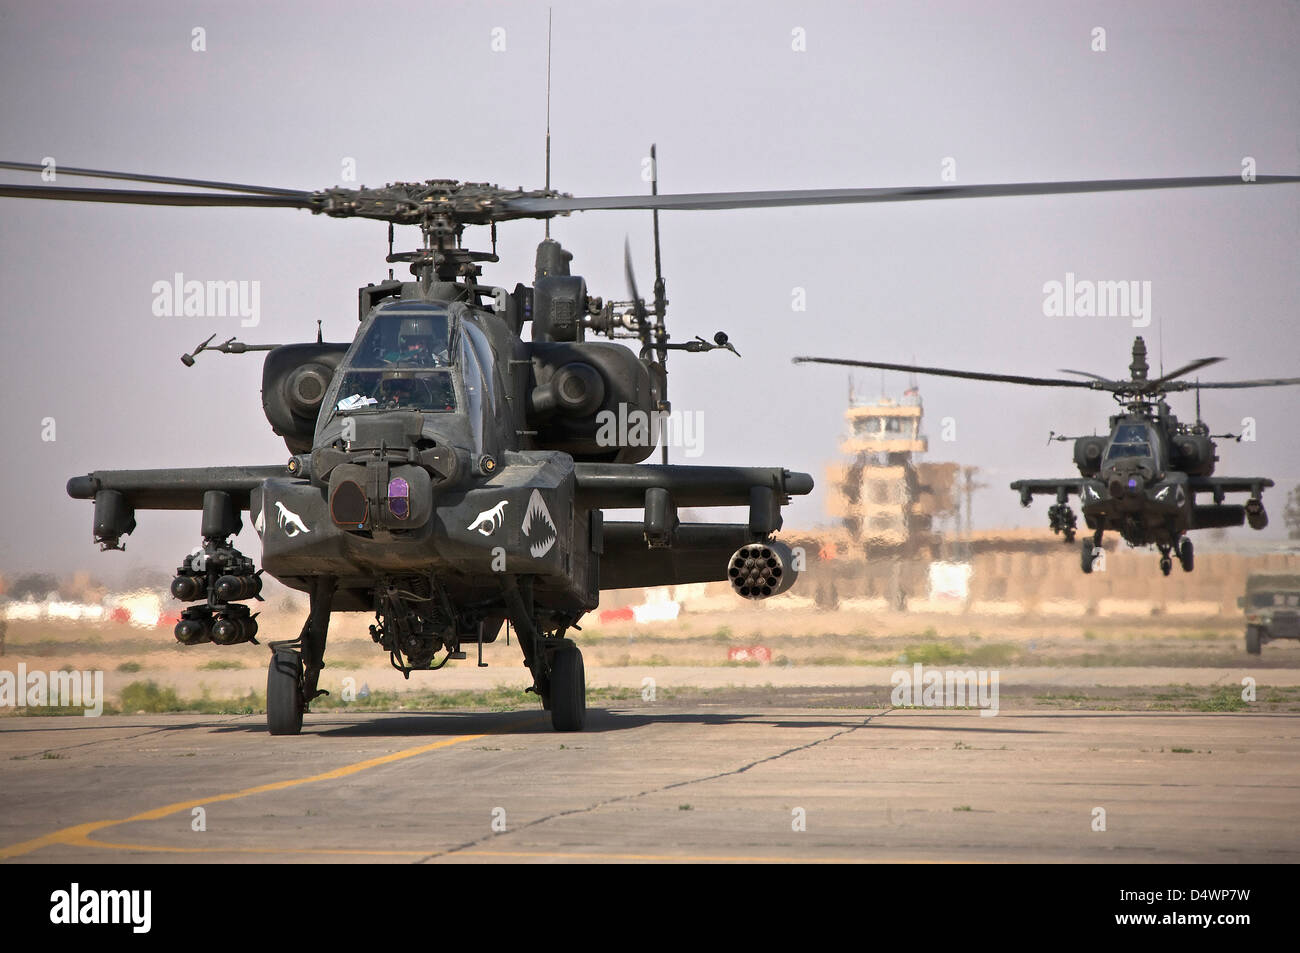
x=548 y=111
x=660 y=289
x=1160 y=341
x=654 y=190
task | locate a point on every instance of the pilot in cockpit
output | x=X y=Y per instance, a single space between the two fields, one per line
x=416 y=345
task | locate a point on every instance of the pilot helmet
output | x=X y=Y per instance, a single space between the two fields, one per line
x=415 y=330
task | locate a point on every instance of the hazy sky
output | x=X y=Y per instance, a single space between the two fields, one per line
x=882 y=94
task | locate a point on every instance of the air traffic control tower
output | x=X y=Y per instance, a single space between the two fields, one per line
x=887 y=500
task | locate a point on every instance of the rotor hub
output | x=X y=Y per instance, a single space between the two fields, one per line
x=438 y=205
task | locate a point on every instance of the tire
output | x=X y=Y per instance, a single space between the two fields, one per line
x=568 y=689
x=1186 y=555
x=1252 y=639
x=284 y=694
x=1166 y=565
x=1086 y=556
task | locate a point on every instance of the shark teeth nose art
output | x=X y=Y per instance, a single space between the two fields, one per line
x=538 y=517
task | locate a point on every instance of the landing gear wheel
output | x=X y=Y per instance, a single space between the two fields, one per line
x=568 y=695
x=1166 y=565
x=284 y=702
x=1186 y=554
x=1252 y=639
x=1086 y=555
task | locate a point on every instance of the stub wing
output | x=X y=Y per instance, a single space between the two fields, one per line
x=174 y=488
x=1221 y=485
x=660 y=550
x=119 y=493
x=1061 y=489
x=615 y=485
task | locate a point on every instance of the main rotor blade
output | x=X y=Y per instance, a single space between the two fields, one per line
x=1195 y=365
x=774 y=199
x=1225 y=385
x=157 y=179
x=1095 y=377
x=133 y=197
x=947 y=372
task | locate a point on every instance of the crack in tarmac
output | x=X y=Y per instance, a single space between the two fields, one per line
x=666 y=787
x=106 y=741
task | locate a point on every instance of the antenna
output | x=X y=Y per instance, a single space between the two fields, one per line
x=654 y=190
x=660 y=289
x=548 y=112
x=1160 y=339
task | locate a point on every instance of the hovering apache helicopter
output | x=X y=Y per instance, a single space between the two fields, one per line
x=448 y=475
x=1142 y=479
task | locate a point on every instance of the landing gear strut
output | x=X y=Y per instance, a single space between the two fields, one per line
x=559 y=678
x=1089 y=551
x=294 y=672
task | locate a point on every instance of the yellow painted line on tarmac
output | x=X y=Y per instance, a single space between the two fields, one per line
x=79 y=834
x=323 y=851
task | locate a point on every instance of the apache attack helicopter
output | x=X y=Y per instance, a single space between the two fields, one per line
x=1142 y=479
x=448 y=475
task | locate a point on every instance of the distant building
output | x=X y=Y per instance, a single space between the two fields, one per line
x=882 y=495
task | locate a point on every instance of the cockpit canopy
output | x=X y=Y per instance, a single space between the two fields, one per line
x=401 y=364
x=1129 y=440
x=406 y=337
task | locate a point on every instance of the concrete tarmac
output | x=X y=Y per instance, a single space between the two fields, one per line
x=658 y=782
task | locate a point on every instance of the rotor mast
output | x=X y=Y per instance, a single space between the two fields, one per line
x=548 y=111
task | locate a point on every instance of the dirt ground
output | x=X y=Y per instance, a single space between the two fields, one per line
x=1132 y=658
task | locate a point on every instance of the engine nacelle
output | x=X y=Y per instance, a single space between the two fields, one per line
x=1087 y=455
x=1194 y=454
x=594 y=401
x=294 y=380
x=762 y=570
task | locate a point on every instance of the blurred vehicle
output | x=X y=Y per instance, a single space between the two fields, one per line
x=1272 y=604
